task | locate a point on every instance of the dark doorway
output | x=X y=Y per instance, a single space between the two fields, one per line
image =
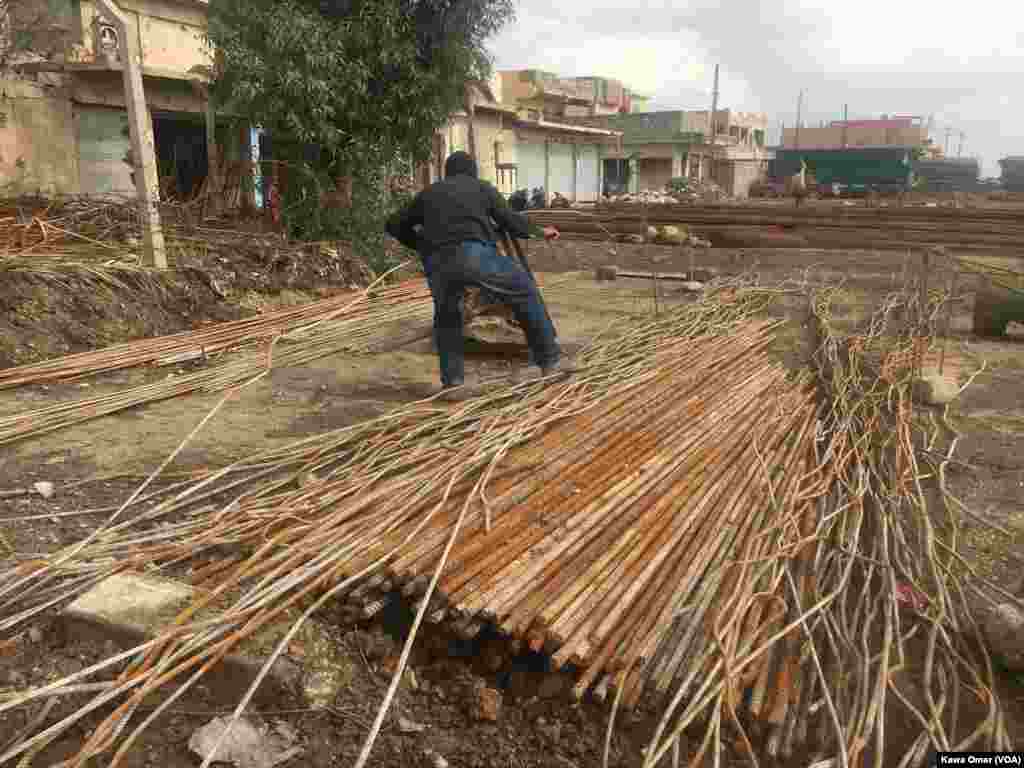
x=180 y=155
x=616 y=177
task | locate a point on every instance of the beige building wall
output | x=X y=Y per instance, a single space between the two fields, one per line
x=38 y=150
x=489 y=129
x=514 y=87
x=654 y=173
x=170 y=33
x=744 y=174
x=831 y=137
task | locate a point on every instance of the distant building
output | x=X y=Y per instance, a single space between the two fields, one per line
x=884 y=132
x=519 y=148
x=64 y=126
x=658 y=146
x=951 y=174
x=552 y=97
x=1012 y=173
x=890 y=152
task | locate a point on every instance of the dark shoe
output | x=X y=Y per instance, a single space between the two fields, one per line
x=460 y=393
x=454 y=395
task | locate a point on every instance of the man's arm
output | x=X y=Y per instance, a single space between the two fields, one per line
x=515 y=224
x=401 y=224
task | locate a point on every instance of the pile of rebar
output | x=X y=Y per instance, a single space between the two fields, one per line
x=821 y=227
x=680 y=519
x=228 y=354
x=349 y=324
x=204 y=343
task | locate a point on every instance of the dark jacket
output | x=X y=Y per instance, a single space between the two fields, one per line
x=461 y=207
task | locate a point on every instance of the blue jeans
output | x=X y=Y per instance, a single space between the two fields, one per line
x=476 y=263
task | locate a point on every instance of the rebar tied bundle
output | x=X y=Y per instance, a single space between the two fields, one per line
x=681 y=524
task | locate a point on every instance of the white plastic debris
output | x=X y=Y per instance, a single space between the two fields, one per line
x=246 y=745
x=45 y=488
x=408 y=726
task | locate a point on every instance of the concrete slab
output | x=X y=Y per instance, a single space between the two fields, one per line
x=130 y=608
x=129 y=603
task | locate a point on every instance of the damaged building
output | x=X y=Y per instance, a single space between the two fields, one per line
x=63 y=120
x=659 y=146
x=519 y=145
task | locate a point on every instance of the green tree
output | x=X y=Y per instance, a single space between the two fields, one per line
x=364 y=82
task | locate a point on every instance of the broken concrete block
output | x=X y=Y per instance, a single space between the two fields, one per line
x=129 y=604
x=692 y=286
x=1004 y=629
x=127 y=609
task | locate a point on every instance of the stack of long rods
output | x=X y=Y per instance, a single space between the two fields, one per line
x=882 y=228
x=717 y=569
x=353 y=324
x=857 y=650
x=205 y=341
x=356 y=511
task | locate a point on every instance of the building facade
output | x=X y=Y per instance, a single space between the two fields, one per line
x=518 y=148
x=555 y=98
x=659 y=146
x=68 y=92
x=1012 y=178
x=884 y=132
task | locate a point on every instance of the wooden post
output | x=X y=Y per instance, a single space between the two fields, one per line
x=949 y=319
x=575 y=173
x=547 y=171
x=213 y=187
x=925 y=259
x=147 y=180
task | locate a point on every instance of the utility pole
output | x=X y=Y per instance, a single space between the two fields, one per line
x=140 y=128
x=846 y=119
x=714 y=108
x=960 y=149
x=949 y=132
x=799 y=117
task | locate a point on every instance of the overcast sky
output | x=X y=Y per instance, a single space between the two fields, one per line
x=962 y=63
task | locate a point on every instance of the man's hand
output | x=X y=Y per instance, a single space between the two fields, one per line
x=550 y=233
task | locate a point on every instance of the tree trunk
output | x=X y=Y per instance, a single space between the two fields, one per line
x=470 y=105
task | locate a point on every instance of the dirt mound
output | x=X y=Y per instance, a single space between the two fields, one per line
x=47 y=310
x=70 y=280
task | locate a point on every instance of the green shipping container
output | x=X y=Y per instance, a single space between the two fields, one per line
x=881 y=167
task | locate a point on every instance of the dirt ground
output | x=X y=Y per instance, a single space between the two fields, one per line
x=50 y=307
x=95 y=467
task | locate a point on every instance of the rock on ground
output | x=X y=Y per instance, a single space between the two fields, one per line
x=934 y=389
x=1004 y=629
x=245 y=745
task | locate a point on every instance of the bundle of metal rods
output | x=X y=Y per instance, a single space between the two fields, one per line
x=367 y=323
x=681 y=519
x=199 y=344
x=836 y=227
x=352 y=324
x=877 y=614
x=410 y=476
